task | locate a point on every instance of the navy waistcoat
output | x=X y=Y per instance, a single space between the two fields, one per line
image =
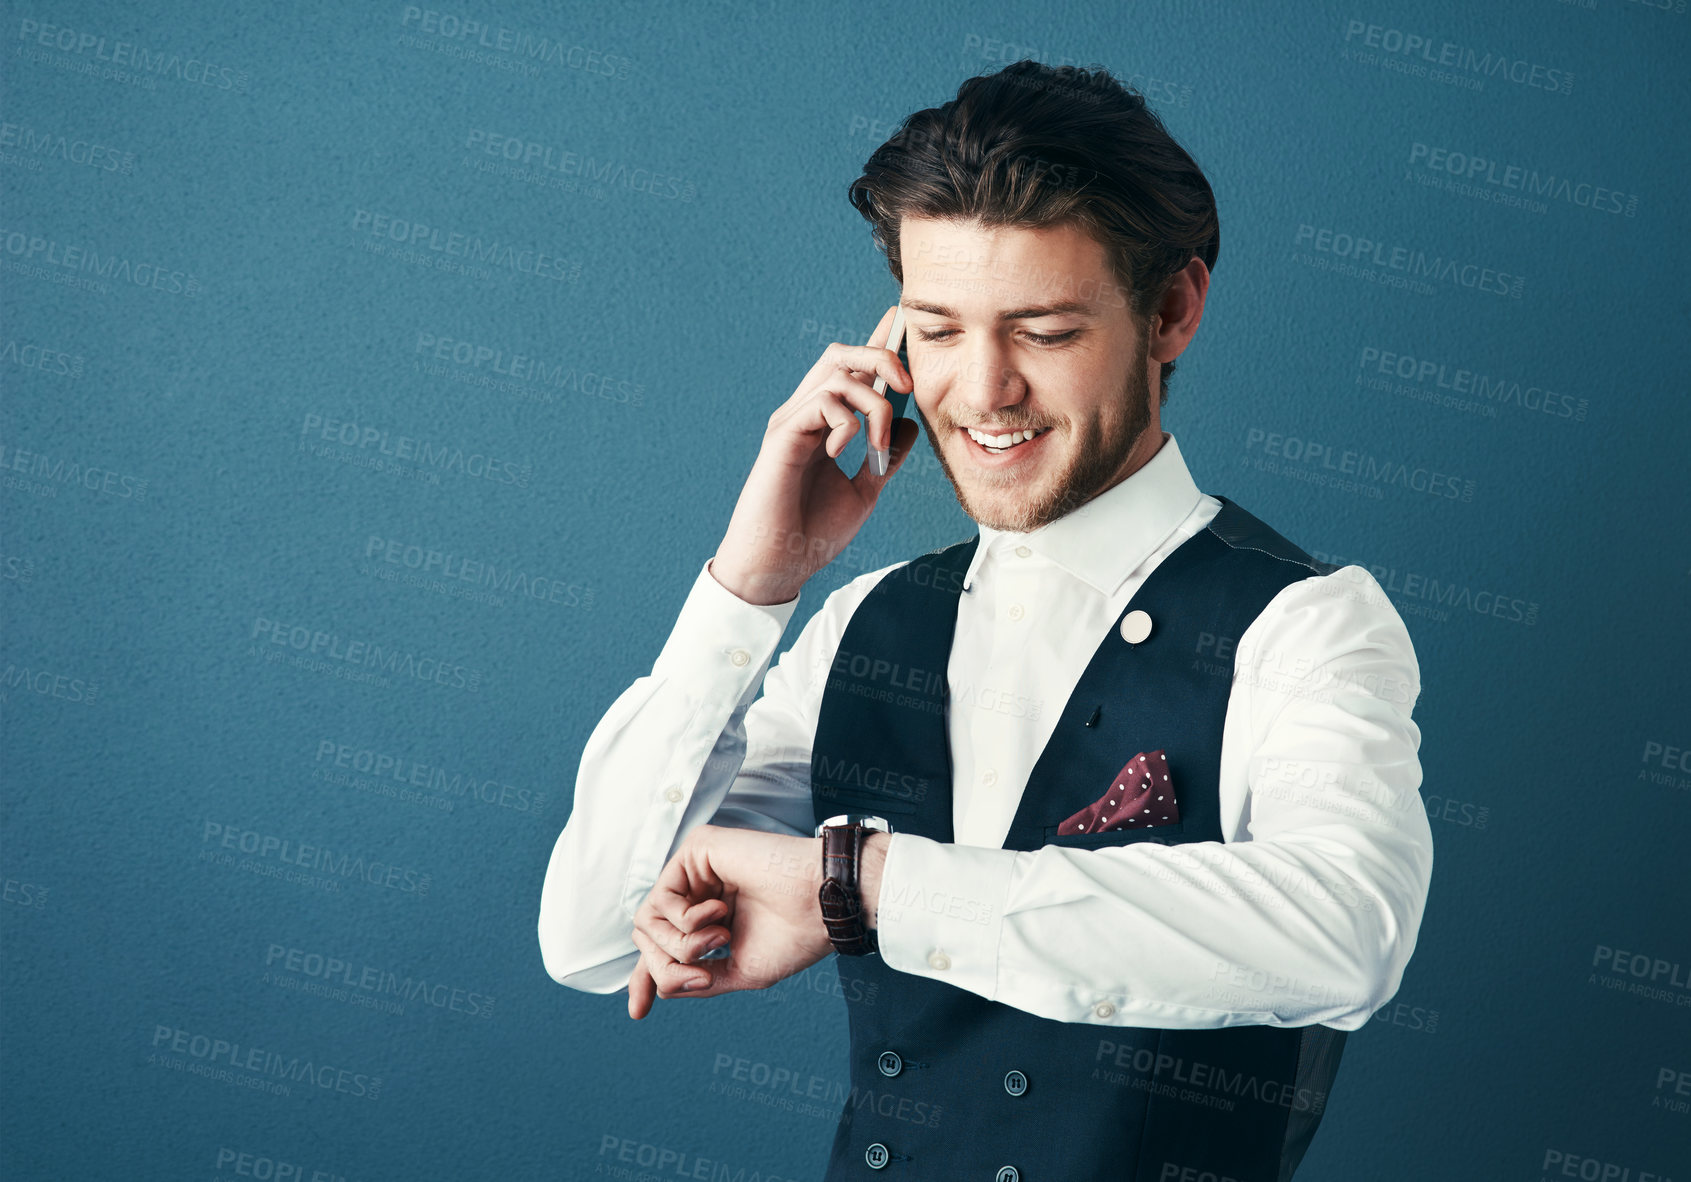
x=948 y=1086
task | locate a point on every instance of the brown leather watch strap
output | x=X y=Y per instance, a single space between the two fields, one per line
x=842 y=902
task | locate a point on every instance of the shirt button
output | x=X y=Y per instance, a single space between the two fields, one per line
x=1104 y=1009
x=1016 y=611
x=673 y=794
x=989 y=777
x=1022 y=552
x=740 y=656
x=939 y=960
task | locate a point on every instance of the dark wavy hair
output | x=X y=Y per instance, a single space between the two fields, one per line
x=1036 y=146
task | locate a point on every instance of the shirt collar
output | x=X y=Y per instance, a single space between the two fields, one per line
x=1104 y=541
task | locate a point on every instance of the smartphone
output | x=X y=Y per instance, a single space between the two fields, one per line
x=899 y=398
x=878 y=460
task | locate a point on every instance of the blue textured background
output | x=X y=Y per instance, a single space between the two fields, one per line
x=139 y=710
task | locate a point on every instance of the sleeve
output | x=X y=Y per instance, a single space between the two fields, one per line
x=1309 y=917
x=684 y=746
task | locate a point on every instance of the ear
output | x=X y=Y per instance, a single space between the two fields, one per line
x=1178 y=314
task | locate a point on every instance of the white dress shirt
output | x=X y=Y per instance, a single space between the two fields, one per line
x=1306 y=912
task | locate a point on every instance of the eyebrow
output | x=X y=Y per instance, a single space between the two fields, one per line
x=1063 y=307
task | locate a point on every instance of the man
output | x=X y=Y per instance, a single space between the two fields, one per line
x=1119 y=798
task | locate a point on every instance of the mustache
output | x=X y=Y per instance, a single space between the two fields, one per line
x=1002 y=428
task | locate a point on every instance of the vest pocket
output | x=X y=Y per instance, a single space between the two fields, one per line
x=1161 y=834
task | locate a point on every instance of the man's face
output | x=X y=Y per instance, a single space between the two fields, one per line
x=1013 y=329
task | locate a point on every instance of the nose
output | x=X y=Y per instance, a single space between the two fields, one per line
x=986 y=379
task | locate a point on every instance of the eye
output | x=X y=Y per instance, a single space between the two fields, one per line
x=1044 y=339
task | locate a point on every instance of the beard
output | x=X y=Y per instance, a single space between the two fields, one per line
x=1097 y=448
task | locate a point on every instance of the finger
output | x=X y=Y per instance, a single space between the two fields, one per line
x=831 y=416
x=641 y=990
x=688 y=895
x=668 y=977
x=685 y=947
x=870 y=360
x=856 y=398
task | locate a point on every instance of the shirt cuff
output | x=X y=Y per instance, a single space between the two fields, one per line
x=941 y=910
x=715 y=625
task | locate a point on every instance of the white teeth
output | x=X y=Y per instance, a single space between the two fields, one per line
x=1013 y=437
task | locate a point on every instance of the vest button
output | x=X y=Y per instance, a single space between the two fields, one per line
x=1008 y=1174
x=1135 y=626
x=877 y=1156
x=890 y=1063
x=1015 y=1083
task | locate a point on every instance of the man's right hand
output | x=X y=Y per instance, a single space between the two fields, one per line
x=798 y=510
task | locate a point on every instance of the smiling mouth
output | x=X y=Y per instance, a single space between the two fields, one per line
x=1011 y=439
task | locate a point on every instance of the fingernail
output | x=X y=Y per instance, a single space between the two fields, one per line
x=716 y=943
x=878 y=461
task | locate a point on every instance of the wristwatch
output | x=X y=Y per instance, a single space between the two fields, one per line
x=842 y=903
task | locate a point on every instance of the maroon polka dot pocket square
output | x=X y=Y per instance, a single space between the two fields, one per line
x=1141 y=796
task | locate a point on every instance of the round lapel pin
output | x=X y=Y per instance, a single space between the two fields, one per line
x=1135 y=626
